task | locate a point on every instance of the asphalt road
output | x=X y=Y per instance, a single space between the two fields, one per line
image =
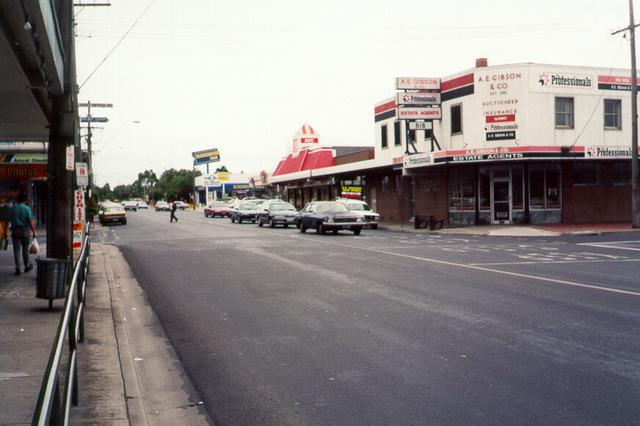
x=277 y=327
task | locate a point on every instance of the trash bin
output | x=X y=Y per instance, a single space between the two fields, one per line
x=51 y=279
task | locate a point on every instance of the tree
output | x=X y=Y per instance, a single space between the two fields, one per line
x=222 y=169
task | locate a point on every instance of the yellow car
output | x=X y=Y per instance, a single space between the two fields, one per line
x=112 y=213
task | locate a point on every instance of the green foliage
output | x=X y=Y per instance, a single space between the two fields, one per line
x=172 y=185
x=222 y=169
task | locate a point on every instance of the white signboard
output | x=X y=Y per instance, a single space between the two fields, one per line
x=78 y=206
x=82 y=174
x=417 y=160
x=608 y=152
x=70 y=158
x=417 y=83
x=419 y=113
x=417 y=98
x=420 y=125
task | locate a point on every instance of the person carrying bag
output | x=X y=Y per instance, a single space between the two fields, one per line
x=21 y=221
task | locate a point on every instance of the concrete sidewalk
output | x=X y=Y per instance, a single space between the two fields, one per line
x=128 y=371
x=517 y=230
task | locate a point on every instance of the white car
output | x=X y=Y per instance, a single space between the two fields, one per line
x=142 y=205
x=361 y=209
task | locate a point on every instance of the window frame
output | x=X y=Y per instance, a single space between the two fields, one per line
x=397 y=133
x=618 y=114
x=571 y=113
x=384 y=137
x=451 y=108
x=545 y=170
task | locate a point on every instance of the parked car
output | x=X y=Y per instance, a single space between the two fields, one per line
x=142 y=205
x=244 y=210
x=112 y=213
x=276 y=212
x=361 y=208
x=181 y=205
x=217 y=208
x=130 y=205
x=162 y=206
x=329 y=216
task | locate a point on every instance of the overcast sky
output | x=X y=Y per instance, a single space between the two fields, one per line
x=243 y=76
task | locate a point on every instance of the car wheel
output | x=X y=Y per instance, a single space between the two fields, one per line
x=319 y=228
x=335 y=232
x=356 y=231
x=374 y=226
x=302 y=228
x=233 y=219
x=253 y=221
x=124 y=222
x=286 y=225
x=240 y=219
x=260 y=224
x=271 y=224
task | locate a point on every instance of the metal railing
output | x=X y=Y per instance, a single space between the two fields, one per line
x=52 y=407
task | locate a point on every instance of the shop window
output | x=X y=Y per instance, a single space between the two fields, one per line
x=586 y=173
x=621 y=173
x=383 y=137
x=461 y=192
x=397 y=132
x=612 y=114
x=517 y=188
x=456 y=119
x=544 y=189
x=384 y=184
x=564 y=113
x=484 y=189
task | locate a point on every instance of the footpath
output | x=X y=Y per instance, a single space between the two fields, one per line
x=128 y=370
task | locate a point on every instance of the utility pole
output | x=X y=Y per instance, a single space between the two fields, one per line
x=635 y=172
x=63 y=134
x=90 y=119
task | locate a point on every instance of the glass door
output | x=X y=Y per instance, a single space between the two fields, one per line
x=501 y=200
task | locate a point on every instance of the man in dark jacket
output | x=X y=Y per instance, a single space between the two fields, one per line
x=174 y=207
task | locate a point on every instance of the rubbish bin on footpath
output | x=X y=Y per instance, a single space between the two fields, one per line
x=51 y=279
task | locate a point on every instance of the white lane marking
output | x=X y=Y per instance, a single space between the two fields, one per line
x=497 y=271
x=555 y=261
x=610 y=246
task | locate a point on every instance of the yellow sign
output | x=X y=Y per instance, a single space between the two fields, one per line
x=223 y=176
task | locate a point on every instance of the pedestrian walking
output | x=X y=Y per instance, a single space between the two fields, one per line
x=5 y=217
x=21 y=221
x=174 y=207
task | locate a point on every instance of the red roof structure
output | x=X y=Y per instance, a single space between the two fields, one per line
x=305 y=159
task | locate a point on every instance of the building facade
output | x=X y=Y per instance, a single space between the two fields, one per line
x=516 y=144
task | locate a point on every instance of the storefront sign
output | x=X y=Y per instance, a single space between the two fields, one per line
x=78 y=206
x=417 y=83
x=223 y=176
x=608 y=152
x=351 y=191
x=22 y=171
x=553 y=79
x=500 y=136
x=417 y=160
x=206 y=156
x=615 y=82
x=24 y=158
x=420 y=125
x=416 y=99
x=434 y=113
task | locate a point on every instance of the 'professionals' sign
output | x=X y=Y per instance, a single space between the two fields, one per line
x=418 y=99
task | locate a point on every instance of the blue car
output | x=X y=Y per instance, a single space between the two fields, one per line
x=326 y=216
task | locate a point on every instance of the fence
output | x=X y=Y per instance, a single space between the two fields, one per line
x=52 y=407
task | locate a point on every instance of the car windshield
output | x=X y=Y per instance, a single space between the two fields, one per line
x=331 y=207
x=112 y=209
x=248 y=205
x=358 y=207
x=282 y=207
x=220 y=204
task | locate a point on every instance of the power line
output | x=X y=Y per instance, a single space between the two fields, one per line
x=118 y=43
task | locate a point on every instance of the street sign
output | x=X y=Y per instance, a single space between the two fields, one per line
x=90 y=119
x=419 y=113
x=69 y=163
x=417 y=99
x=420 y=125
x=77 y=236
x=82 y=174
x=417 y=83
x=87 y=104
